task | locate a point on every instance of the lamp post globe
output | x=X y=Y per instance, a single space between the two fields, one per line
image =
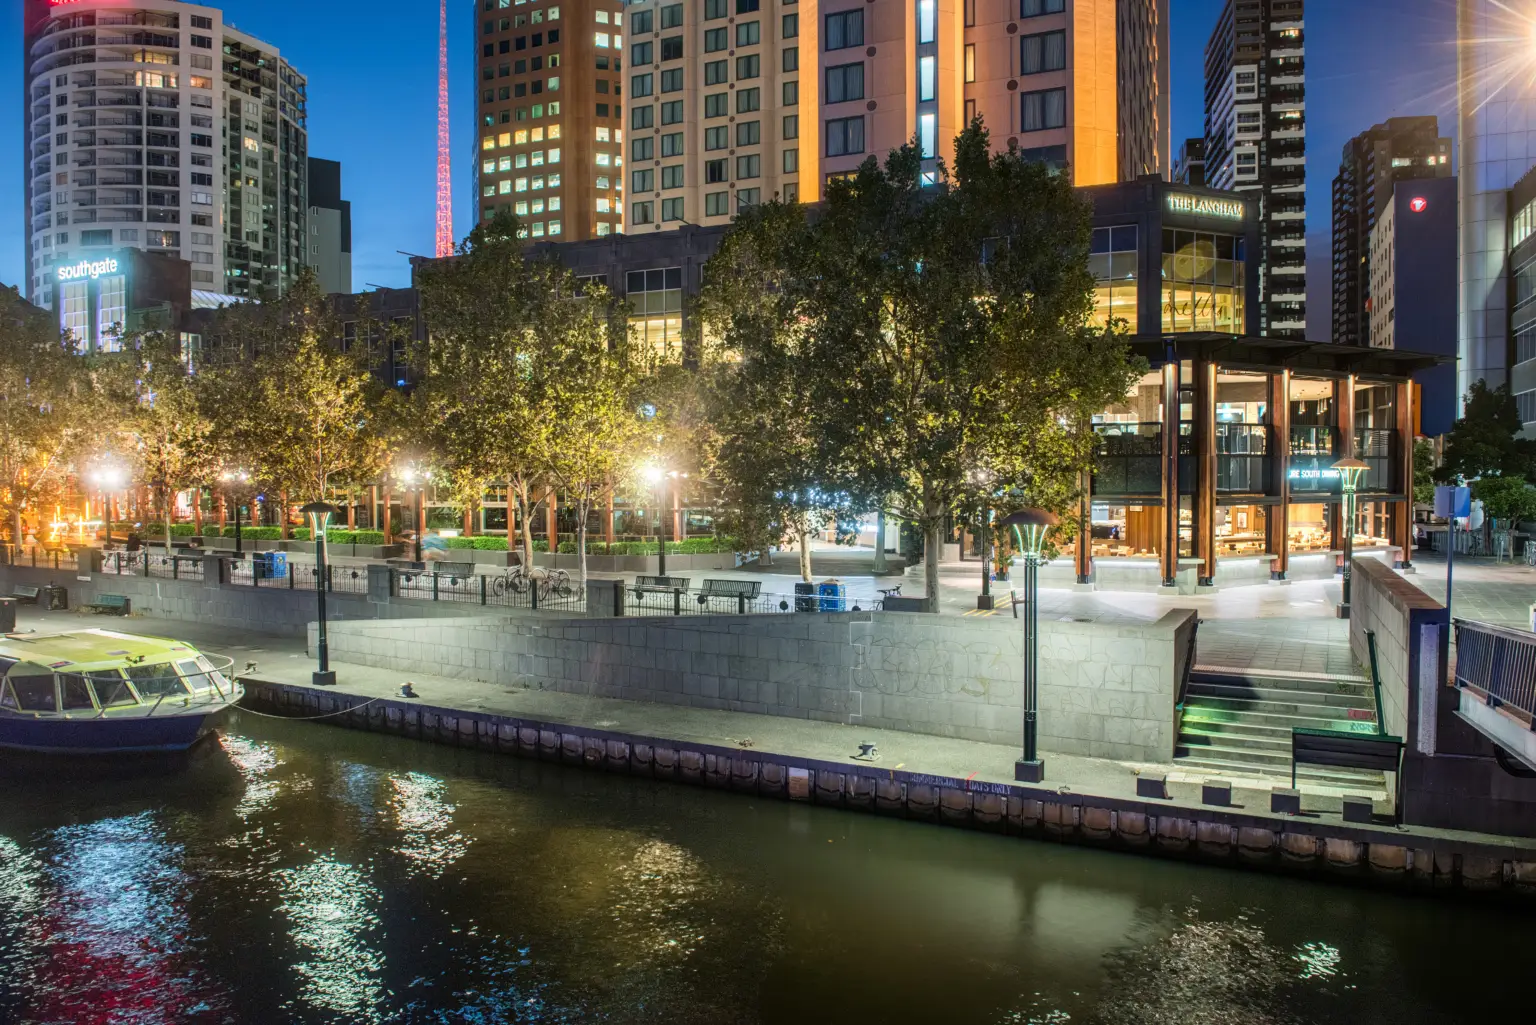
x=1350 y=471
x=1030 y=527
x=320 y=515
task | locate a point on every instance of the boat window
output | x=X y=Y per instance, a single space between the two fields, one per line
x=76 y=695
x=195 y=677
x=155 y=681
x=218 y=679
x=35 y=693
x=7 y=696
x=111 y=689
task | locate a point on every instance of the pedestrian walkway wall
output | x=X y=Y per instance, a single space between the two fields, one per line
x=1107 y=690
x=1450 y=777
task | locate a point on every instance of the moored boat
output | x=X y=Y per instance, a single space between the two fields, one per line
x=106 y=692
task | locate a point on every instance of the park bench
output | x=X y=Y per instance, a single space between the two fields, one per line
x=1341 y=748
x=662 y=584
x=117 y=604
x=26 y=593
x=742 y=591
x=455 y=570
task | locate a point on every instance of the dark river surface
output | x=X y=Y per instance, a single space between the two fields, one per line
x=294 y=872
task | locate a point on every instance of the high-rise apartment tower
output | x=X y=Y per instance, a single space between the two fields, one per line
x=730 y=102
x=1400 y=149
x=155 y=125
x=1256 y=141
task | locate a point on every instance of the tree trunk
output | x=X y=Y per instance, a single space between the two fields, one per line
x=933 y=535
x=880 y=566
x=197 y=514
x=805 y=555
x=581 y=539
x=286 y=533
x=17 y=536
x=524 y=514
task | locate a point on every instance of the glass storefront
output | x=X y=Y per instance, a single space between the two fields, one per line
x=1127 y=530
x=1240 y=529
x=1309 y=527
x=1204 y=276
x=1112 y=260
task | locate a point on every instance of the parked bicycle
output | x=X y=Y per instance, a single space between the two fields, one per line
x=519 y=579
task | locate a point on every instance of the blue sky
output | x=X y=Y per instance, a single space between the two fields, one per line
x=372 y=71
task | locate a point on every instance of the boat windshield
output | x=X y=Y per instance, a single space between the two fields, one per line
x=156 y=681
x=75 y=692
x=111 y=689
x=34 y=692
x=196 y=676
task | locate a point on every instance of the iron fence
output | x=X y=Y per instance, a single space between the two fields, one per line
x=295 y=576
x=1499 y=663
x=515 y=589
x=655 y=601
x=39 y=557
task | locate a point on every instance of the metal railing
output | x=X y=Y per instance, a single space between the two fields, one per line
x=652 y=601
x=1242 y=455
x=515 y=589
x=295 y=576
x=1499 y=664
x=38 y=557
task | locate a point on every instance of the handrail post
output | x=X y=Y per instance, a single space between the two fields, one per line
x=533 y=589
x=1370 y=643
x=434 y=586
x=677 y=601
x=482 y=588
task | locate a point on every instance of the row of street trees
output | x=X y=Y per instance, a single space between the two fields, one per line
x=905 y=348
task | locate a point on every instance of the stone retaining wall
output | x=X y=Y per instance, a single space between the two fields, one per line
x=1107 y=690
x=1359 y=854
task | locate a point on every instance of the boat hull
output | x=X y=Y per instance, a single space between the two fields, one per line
x=106 y=735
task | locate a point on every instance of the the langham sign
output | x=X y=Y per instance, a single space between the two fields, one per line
x=1205 y=206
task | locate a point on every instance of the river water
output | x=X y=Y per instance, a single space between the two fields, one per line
x=292 y=872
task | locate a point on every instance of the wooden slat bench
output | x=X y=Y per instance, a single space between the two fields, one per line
x=117 y=604
x=27 y=593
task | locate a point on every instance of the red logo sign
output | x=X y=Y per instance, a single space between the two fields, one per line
x=1418 y=204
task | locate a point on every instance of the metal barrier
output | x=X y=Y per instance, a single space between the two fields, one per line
x=1499 y=664
x=515 y=589
x=648 y=601
x=39 y=557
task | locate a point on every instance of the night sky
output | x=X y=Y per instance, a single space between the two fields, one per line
x=372 y=70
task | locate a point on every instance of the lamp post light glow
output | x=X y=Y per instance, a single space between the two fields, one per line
x=1350 y=472
x=234 y=480
x=1030 y=527
x=108 y=478
x=654 y=475
x=320 y=515
x=410 y=476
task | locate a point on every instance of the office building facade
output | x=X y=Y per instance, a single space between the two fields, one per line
x=1411 y=257
x=1496 y=145
x=330 y=227
x=1189 y=166
x=1399 y=149
x=733 y=102
x=1256 y=140
x=155 y=125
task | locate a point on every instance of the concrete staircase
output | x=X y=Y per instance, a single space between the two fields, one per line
x=1238 y=723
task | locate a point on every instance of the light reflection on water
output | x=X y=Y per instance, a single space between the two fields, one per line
x=301 y=874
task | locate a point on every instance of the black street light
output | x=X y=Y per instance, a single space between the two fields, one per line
x=234 y=481
x=654 y=476
x=108 y=478
x=320 y=514
x=1350 y=471
x=417 y=480
x=1029 y=529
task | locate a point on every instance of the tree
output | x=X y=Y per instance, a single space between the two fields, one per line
x=944 y=332
x=1423 y=472
x=594 y=440
x=499 y=325
x=169 y=435
x=1485 y=440
x=1506 y=499
x=291 y=400
x=47 y=399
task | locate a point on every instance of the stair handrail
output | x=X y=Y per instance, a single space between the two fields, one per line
x=1183 y=687
x=1381 y=723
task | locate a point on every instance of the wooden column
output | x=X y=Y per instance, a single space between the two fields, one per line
x=384 y=518
x=1407 y=420
x=1168 y=545
x=1084 y=555
x=1344 y=432
x=551 y=523
x=608 y=523
x=1205 y=481
x=677 y=513
x=469 y=519
x=223 y=511
x=1277 y=536
x=351 y=510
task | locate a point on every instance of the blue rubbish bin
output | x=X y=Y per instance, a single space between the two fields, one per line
x=270 y=565
x=834 y=596
x=805 y=596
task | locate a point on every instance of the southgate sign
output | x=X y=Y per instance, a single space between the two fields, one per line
x=92 y=269
x=1205 y=206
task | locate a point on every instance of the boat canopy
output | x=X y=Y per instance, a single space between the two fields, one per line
x=92 y=671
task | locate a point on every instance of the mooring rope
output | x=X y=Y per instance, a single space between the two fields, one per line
x=305 y=718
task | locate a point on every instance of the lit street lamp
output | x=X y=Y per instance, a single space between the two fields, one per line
x=1350 y=471
x=655 y=475
x=320 y=514
x=108 y=478
x=1030 y=527
x=234 y=482
x=410 y=476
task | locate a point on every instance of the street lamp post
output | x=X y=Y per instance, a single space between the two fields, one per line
x=108 y=479
x=320 y=514
x=984 y=600
x=233 y=481
x=1030 y=527
x=410 y=476
x=1350 y=471
x=656 y=477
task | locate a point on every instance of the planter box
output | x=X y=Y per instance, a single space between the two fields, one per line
x=481 y=557
x=635 y=563
x=372 y=551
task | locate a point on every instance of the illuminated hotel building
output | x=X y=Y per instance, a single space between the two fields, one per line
x=155 y=125
x=731 y=102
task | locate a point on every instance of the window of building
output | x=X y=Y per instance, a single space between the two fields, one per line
x=1042 y=109
x=927 y=137
x=845 y=29
x=749 y=133
x=791 y=59
x=716 y=204
x=641 y=85
x=604 y=229
x=927 y=71
x=791 y=126
x=672 y=48
x=1112 y=261
x=715 y=39
x=715 y=171
x=1525 y=404
x=927 y=20
x=656 y=305
x=642 y=180
x=672 y=80
x=716 y=138
x=748 y=33
x=642 y=53
x=1203 y=282
x=791 y=161
x=672 y=112
x=791 y=91
x=672 y=144
x=640 y=23
x=75 y=310
x=643 y=148
x=642 y=117
x=716 y=104
x=789 y=26
x=672 y=209
x=1035 y=8
x=749 y=66
x=714 y=9
x=112 y=309
x=845 y=135
x=748 y=198
x=748 y=100
x=845 y=82
x=1041 y=52
x=717 y=72
x=746 y=6
x=672 y=16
